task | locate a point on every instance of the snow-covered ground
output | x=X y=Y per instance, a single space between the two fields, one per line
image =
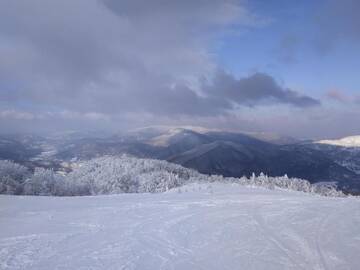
x=217 y=226
x=352 y=141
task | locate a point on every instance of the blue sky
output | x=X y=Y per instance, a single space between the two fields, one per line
x=287 y=48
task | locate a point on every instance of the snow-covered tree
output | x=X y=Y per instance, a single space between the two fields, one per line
x=12 y=177
x=113 y=175
x=44 y=182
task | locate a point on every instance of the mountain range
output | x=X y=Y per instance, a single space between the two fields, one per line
x=208 y=151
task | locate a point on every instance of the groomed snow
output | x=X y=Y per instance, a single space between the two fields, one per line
x=207 y=226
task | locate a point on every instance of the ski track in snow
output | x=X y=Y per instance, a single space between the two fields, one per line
x=230 y=227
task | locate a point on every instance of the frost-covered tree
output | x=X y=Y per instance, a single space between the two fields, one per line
x=113 y=175
x=12 y=177
x=124 y=174
x=45 y=182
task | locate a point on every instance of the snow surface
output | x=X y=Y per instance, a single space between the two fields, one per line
x=352 y=141
x=198 y=226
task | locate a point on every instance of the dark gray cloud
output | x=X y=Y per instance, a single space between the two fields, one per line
x=258 y=88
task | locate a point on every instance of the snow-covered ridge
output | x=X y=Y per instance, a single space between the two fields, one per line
x=352 y=141
x=114 y=175
x=164 y=129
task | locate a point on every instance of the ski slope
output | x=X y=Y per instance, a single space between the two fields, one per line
x=217 y=226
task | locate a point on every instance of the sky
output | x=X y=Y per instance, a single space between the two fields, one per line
x=283 y=66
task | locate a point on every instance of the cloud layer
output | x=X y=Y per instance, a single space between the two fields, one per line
x=103 y=60
x=124 y=56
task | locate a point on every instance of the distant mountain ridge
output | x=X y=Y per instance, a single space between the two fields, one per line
x=208 y=151
x=344 y=152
